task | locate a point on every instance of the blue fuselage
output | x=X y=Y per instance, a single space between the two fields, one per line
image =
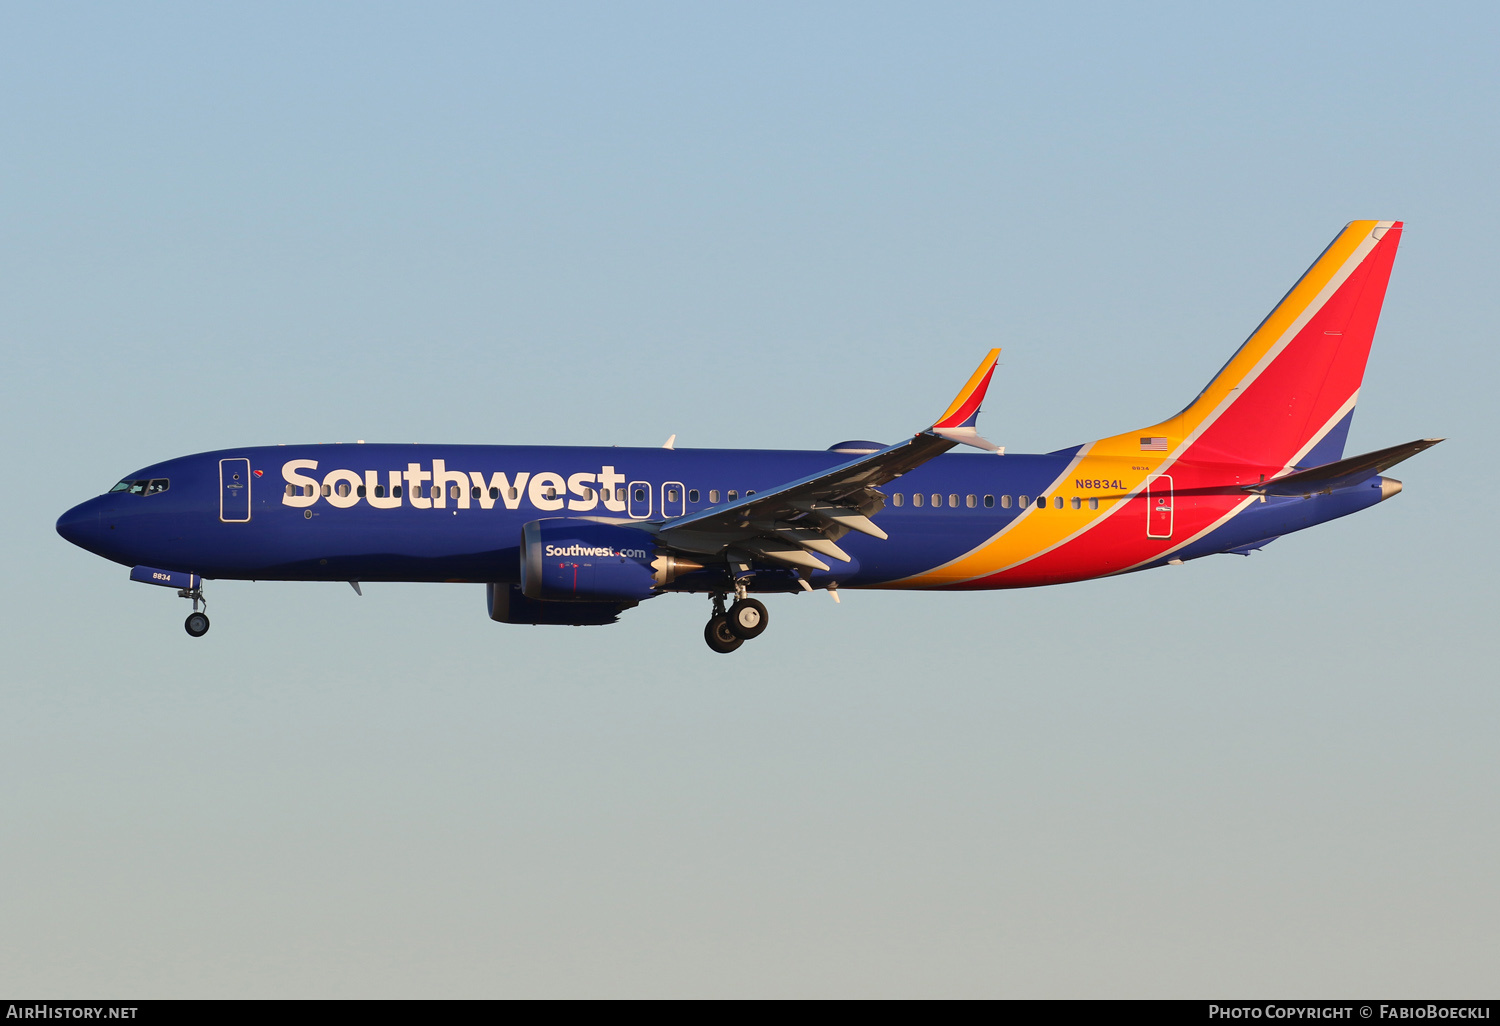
x=397 y=524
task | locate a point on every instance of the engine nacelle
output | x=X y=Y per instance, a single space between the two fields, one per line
x=574 y=560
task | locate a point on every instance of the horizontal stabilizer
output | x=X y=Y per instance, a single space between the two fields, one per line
x=1343 y=472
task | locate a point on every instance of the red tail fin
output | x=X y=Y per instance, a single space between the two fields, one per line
x=1292 y=386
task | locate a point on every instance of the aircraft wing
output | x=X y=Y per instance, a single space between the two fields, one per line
x=795 y=523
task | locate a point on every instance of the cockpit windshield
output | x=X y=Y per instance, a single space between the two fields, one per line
x=143 y=486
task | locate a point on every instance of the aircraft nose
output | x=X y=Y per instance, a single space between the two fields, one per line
x=79 y=525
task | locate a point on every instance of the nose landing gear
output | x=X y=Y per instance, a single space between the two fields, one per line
x=728 y=630
x=197 y=622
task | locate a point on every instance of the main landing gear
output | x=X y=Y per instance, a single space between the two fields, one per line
x=728 y=630
x=197 y=622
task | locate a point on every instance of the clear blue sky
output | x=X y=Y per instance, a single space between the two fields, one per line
x=759 y=225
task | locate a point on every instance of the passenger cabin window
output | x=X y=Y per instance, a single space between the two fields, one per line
x=1023 y=501
x=937 y=500
x=343 y=489
x=1077 y=502
x=1005 y=502
x=898 y=499
x=971 y=501
x=750 y=493
x=1057 y=502
x=640 y=495
x=692 y=495
x=733 y=495
x=494 y=494
x=917 y=499
x=989 y=502
x=291 y=490
x=396 y=491
x=671 y=494
x=713 y=495
x=327 y=491
x=1094 y=503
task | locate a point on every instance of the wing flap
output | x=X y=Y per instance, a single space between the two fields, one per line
x=794 y=523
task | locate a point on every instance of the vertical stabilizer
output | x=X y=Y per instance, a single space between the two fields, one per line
x=1286 y=397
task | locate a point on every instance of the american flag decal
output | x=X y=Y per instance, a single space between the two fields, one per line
x=1154 y=444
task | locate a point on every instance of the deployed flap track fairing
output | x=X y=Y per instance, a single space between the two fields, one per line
x=564 y=535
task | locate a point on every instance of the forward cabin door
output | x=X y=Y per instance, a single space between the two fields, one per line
x=1159 y=507
x=234 y=491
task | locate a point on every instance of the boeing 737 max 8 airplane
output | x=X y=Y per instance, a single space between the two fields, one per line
x=570 y=535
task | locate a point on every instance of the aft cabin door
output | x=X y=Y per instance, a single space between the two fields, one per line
x=234 y=491
x=1159 y=507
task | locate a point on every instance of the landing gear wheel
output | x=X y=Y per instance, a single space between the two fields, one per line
x=719 y=637
x=196 y=624
x=748 y=619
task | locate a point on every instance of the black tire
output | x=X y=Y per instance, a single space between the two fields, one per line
x=719 y=637
x=748 y=619
x=196 y=624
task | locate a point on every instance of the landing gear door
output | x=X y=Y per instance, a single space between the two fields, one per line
x=639 y=496
x=673 y=502
x=1159 y=507
x=234 y=491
